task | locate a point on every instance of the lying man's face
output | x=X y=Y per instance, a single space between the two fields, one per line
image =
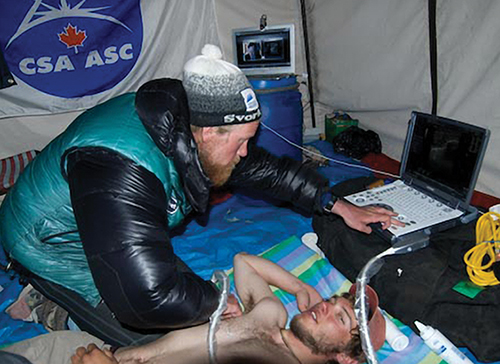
x=329 y=327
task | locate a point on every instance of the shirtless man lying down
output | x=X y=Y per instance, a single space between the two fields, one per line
x=326 y=331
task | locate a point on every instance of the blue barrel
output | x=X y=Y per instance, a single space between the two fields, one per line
x=280 y=102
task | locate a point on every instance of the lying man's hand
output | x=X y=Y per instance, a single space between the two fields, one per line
x=307 y=298
x=358 y=218
x=93 y=355
x=233 y=308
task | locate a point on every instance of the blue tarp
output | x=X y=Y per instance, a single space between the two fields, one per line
x=11 y=330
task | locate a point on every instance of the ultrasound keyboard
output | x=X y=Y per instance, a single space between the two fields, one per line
x=414 y=208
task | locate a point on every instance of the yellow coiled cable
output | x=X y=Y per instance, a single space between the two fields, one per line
x=487 y=244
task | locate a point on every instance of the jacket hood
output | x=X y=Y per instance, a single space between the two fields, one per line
x=163 y=109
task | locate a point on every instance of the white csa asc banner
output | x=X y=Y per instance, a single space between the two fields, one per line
x=72 y=54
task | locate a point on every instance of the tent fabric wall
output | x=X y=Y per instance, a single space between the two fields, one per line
x=372 y=60
x=468 y=69
x=19 y=134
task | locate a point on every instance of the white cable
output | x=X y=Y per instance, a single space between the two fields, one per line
x=327 y=158
x=218 y=276
x=361 y=311
x=361 y=307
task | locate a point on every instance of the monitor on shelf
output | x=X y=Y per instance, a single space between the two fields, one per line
x=265 y=52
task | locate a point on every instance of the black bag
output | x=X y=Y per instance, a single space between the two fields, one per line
x=355 y=142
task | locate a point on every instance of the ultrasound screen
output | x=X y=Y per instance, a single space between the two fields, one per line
x=446 y=153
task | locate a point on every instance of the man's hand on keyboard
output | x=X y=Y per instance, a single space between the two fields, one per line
x=358 y=218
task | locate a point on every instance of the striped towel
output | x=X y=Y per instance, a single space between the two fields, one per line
x=304 y=263
x=11 y=168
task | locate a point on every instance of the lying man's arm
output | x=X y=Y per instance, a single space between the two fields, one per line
x=254 y=274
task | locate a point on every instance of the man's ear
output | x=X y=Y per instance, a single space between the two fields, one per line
x=208 y=132
x=343 y=358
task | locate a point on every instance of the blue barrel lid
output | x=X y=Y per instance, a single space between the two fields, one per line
x=272 y=81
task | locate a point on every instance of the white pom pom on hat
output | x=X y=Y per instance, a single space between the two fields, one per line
x=210 y=63
x=211 y=51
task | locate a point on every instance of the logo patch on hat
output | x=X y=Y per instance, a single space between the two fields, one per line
x=231 y=118
x=250 y=99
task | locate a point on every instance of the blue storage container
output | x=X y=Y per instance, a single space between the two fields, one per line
x=281 y=105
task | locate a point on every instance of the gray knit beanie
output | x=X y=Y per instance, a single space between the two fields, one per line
x=218 y=92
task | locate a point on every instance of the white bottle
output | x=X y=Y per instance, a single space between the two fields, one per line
x=441 y=345
x=396 y=339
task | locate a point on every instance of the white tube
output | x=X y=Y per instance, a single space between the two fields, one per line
x=216 y=316
x=361 y=312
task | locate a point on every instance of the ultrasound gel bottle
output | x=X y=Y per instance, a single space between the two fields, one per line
x=441 y=345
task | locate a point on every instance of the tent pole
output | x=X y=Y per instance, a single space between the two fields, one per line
x=308 y=63
x=433 y=54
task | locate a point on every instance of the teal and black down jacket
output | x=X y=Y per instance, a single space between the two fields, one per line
x=93 y=210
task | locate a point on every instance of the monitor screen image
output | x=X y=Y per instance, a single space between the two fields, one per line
x=448 y=153
x=268 y=51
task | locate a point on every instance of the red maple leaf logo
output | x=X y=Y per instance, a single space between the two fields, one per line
x=72 y=37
